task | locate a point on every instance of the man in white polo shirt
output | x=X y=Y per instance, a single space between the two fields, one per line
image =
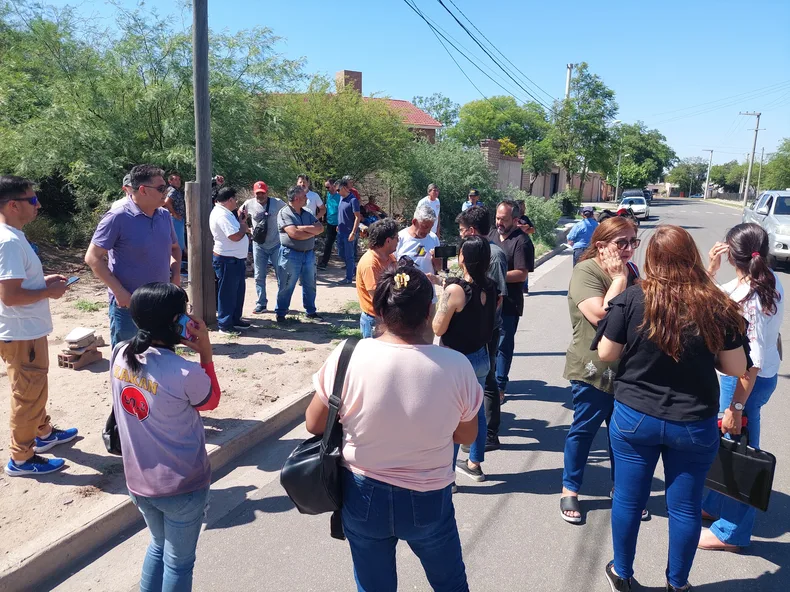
x=25 y=322
x=314 y=203
x=432 y=200
x=231 y=246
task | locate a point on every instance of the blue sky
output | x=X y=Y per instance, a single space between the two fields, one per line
x=662 y=59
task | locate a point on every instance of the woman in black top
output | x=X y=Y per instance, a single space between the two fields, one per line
x=465 y=322
x=671 y=333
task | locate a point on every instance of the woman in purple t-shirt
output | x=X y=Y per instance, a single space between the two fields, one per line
x=156 y=398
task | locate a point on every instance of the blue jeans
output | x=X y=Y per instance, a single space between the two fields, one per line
x=477 y=451
x=367 y=324
x=736 y=520
x=591 y=407
x=504 y=356
x=180 y=228
x=122 y=326
x=230 y=272
x=377 y=515
x=294 y=266
x=688 y=450
x=348 y=252
x=264 y=257
x=174 y=523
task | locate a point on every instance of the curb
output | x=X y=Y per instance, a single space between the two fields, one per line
x=49 y=562
x=562 y=235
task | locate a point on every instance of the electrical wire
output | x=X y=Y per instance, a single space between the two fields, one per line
x=786 y=82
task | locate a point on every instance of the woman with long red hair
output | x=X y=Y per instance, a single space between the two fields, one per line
x=671 y=333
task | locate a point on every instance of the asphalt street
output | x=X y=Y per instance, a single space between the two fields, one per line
x=512 y=534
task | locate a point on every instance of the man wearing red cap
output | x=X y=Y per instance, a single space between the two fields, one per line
x=262 y=212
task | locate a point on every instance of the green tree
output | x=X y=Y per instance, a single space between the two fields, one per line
x=776 y=172
x=454 y=168
x=689 y=174
x=538 y=159
x=341 y=133
x=496 y=118
x=441 y=108
x=648 y=149
x=728 y=175
x=580 y=136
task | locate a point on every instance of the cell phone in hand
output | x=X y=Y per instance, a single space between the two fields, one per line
x=72 y=280
x=183 y=324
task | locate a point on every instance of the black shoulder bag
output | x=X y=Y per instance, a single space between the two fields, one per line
x=110 y=435
x=259 y=232
x=743 y=473
x=311 y=474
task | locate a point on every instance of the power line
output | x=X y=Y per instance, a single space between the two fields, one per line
x=493 y=59
x=553 y=98
x=757 y=90
x=704 y=111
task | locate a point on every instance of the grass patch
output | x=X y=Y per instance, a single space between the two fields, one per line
x=87 y=306
x=350 y=307
x=345 y=332
x=184 y=351
x=241 y=370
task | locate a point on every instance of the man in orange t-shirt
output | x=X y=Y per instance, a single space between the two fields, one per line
x=382 y=242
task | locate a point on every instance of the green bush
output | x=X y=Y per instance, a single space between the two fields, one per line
x=544 y=214
x=570 y=200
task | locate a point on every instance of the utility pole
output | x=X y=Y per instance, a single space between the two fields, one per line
x=707 y=177
x=760 y=174
x=568 y=80
x=751 y=161
x=202 y=285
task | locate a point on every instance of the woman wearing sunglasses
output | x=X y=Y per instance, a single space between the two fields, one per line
x=671 y=332
x=603 y=271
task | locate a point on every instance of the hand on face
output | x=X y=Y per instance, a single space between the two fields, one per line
x=612 y=260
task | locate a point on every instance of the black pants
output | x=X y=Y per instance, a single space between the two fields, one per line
x=331 y=236
x=491 y=392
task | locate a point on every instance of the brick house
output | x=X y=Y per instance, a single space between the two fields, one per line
x=415 y=119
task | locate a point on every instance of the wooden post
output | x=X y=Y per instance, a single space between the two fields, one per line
x=202 y=291
x=201 y=272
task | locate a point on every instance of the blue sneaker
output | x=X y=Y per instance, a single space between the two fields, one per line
x=35 y=465
x=56 y=437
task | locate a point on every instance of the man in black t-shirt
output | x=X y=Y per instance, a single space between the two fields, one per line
x=520 y=254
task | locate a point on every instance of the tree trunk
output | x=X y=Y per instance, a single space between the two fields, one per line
x=532 y=178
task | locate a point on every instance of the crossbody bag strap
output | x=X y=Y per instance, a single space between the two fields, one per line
x=332 y=423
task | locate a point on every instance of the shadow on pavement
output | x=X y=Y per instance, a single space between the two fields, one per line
x=549 y=293
x=539 y=354
x=778 y=581
x=539 y=390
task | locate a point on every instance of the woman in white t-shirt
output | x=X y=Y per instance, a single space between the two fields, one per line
x=404 y=403
x=759 y=292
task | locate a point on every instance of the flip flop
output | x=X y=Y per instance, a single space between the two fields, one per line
x=570 y=503
x=714 y=544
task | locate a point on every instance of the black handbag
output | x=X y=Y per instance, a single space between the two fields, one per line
x=311 y=474
x=743 y=473
x=110 y=435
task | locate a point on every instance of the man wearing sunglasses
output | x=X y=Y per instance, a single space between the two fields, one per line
x=25 y=322
x=135 y=244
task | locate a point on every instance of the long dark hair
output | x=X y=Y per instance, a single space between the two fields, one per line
x=749 y=254
x=403 y=299
x=477 y=258
x=681 y=299
x=155 y=309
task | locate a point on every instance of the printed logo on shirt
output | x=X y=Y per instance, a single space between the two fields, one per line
x=144 y=383
x=134 y=403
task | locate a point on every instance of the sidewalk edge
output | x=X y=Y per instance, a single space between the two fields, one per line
x=562 y=236
x=51 y=561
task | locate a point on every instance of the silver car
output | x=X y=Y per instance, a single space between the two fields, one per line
x=771 y=210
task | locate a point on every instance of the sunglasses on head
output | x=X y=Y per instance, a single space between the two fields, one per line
x=624 y=242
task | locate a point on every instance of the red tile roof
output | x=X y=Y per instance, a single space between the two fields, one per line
x=412 y=115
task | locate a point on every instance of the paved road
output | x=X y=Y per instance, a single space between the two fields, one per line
x=513 y=537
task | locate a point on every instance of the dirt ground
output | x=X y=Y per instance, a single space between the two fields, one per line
x=255 y=369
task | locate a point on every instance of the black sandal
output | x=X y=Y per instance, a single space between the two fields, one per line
x=570 y=503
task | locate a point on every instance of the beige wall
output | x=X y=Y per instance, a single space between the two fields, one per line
x=509 y=173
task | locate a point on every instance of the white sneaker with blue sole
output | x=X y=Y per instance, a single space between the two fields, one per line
x=55 y=437
x=35 y=465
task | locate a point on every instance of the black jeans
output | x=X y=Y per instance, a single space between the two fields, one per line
x=491 y=391
x=331 y=236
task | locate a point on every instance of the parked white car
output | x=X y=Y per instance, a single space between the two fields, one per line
x=638 y=206
x=771 y=210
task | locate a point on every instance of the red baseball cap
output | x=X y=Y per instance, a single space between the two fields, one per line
x=260 y=186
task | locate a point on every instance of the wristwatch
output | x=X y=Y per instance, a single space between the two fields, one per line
x=737 y=406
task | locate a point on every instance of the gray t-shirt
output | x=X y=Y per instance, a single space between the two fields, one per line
x=257 y=214
x=287 y=216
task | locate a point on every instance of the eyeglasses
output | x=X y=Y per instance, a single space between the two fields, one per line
x=33 y=201
x=623 y=243
x=158 y=188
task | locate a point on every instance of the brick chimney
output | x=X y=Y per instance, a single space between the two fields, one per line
x=350 y=78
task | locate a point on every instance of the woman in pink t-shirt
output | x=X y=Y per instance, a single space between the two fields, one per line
x=405 y=402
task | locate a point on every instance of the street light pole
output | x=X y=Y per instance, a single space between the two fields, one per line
x=568 y=80
x=707 y=177
x=751 y=161
x=617 y=184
